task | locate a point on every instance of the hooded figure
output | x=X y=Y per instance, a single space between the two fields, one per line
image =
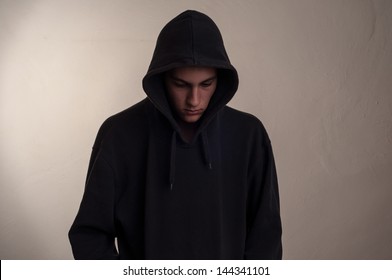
x=167 y=194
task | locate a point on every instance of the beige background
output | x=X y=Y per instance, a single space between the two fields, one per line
x=318 y=73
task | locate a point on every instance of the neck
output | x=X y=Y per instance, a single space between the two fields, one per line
x=188 y=130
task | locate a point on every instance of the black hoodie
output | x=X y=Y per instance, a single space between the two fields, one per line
x=162 y=198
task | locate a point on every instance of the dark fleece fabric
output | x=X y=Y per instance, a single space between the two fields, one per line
x=163 y=198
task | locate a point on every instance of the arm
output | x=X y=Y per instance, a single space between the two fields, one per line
x=264 y=228
x=92 y=234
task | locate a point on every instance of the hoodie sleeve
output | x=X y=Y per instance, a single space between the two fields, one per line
x=92 y=234
x=264 y=228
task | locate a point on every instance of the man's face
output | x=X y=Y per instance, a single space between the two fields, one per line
x=190 y=90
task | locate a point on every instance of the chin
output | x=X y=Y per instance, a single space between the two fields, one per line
x=190 y=120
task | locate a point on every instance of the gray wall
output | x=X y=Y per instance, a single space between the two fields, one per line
x=317 y=73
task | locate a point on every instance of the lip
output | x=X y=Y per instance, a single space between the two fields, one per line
x=193 y=112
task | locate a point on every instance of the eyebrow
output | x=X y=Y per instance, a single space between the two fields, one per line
x=210 y=79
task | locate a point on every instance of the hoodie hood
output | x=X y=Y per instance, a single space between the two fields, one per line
x=190 y=39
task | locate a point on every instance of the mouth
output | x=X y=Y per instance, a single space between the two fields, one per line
x=191 y=112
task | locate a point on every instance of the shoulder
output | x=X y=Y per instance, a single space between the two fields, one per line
x=236 y=117
x=243 y=123
x=129 y=122
x=135 y=113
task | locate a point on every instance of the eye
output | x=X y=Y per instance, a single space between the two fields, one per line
x=179 y=84
x=206 y=85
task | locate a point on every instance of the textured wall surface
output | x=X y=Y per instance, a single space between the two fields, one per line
x=317 y=73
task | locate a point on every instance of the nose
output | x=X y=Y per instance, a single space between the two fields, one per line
x=193 y=97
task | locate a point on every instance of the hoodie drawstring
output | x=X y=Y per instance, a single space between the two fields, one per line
x=206 y=152
x=206 y=149
x=173 y=160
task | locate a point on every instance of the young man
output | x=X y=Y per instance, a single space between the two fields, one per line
x=180 y=175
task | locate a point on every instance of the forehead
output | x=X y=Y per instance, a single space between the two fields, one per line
x=193 y=73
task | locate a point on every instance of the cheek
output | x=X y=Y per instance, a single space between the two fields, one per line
x=176 y=98
x=209 y=94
